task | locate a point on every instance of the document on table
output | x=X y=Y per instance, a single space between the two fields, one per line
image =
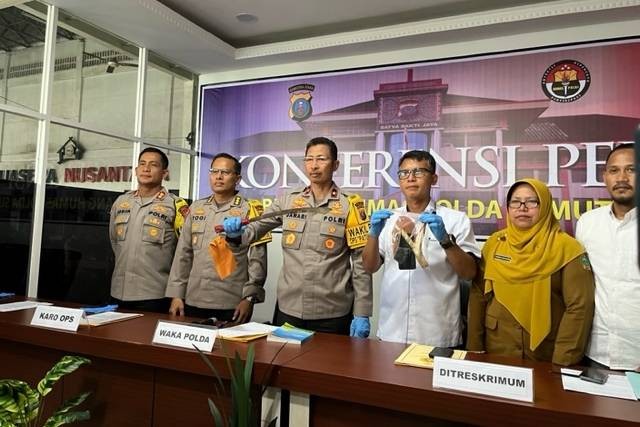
x=616 y=386
x=246 y=330
x=417 y=355
x=21 y=305
x=108 y=317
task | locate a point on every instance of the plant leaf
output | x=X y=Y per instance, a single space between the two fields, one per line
x=65 y=366
x=72 y=403
x=59 y=419
x=215 y=413
x=218 y=384
x=248 y=366
x=19 y=403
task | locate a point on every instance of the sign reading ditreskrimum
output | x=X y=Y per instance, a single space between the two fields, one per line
x=509 y=382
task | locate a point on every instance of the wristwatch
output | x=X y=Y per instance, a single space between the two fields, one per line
x=252 y=299
x=448 y=242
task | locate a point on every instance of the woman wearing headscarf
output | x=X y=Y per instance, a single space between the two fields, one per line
x=534 y=297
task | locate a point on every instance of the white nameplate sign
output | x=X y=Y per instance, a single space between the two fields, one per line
x=50 y=316
x=185 y=336
x=508 y=382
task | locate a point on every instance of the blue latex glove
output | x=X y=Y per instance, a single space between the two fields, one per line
x=378 y=218
x=233 y=226
x=434 y=221
x=360 y=327
x=105 y=308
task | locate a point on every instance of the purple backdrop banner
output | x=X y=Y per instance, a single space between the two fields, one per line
x=551 y=114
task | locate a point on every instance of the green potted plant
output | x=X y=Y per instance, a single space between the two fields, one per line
x=21 y=405
x=240 y=372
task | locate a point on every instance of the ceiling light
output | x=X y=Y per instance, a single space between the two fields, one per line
x=246 y=17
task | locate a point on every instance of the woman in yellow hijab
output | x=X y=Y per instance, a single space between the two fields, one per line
x=534 y=298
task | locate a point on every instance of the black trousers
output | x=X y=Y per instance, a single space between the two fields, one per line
x=160 y=305
x=335 y=325
x=206 y=313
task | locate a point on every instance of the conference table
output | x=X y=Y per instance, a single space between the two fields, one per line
x=348 y=381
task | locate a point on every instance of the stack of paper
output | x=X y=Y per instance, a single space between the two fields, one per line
x=417 y=355
x=107 y=317
x=246 y=332
x=290 y=334
x=21 y=305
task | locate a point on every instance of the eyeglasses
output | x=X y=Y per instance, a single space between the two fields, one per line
x=529 y=204
x=319 y=159
x=417 y=172
x=223 y=172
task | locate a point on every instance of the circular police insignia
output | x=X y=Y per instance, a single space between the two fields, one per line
x=293 y=224
x=566 y=81
x=300 y=108
x=329 y=243
x=290 y=239
x=332 y=229
x=153 y=232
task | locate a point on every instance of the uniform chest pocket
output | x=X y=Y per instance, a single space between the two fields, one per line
x=121 y=224
x=331 y=236
x=153 y=230
x=292 y=232
x=197 y=235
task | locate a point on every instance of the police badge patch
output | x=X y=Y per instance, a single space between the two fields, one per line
x=300 y=108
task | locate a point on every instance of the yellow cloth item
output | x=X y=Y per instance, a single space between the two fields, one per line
x=182 y=210
x=223 y=260
x=519 y=264
x=357 y=226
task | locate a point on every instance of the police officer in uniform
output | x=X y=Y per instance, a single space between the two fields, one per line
x=194 y=278
x=143 y=229
x=322 y=282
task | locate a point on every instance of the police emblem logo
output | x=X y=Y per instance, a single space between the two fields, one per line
x=362 y=213
x=336 y=208
x=293 y=225
x=235 y=212
x=154 y=221
x=290 y=238
x=124 y=205
x=300 y=203
x=199 y=211
x=300 y=108
x=566 y=81
x=153 y=232
x=332 y=229
x=329 y=244
x=160 y=208
x=120 y=230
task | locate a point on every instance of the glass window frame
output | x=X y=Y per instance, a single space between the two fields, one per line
x=54 y=17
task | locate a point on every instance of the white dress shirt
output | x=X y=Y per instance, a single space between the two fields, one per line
x=612 y=246
x=423 y=305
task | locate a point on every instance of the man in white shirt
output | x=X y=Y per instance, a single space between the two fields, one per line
x=609 y=234
x=426 y=250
